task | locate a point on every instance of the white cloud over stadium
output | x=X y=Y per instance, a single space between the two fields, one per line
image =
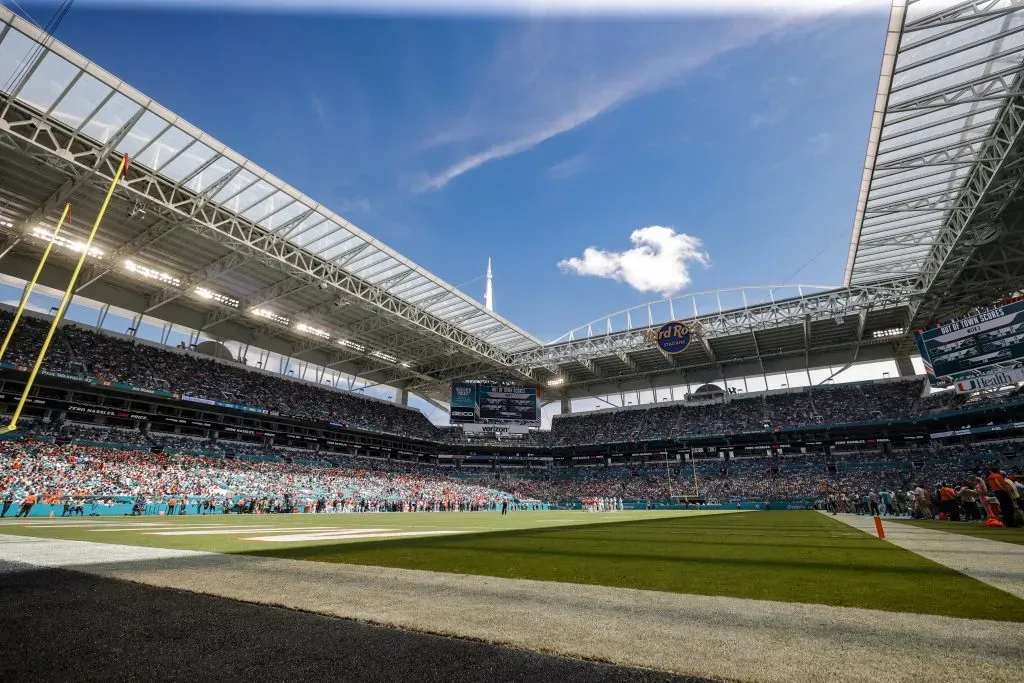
x=659 y=261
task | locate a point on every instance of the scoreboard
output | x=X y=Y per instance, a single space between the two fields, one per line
x=491 y=403
x=974 y=346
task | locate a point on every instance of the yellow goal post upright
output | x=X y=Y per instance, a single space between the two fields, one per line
x=121 y=169
x=65 y=215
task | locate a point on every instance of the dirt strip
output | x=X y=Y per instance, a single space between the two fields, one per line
x=998 y=564
x=715 y=637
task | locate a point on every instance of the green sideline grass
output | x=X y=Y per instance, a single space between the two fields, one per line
x=787 y=556
x=977 y=529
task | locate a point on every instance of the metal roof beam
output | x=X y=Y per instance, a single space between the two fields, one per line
x=963 y=16
x=976 y=207
x=627 y=361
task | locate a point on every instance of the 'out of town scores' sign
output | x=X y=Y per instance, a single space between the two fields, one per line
x=671 y=337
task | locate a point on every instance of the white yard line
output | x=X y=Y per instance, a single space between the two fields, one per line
x=199 y=531
x=348 y=535
x=998 y=564
x=722 y=637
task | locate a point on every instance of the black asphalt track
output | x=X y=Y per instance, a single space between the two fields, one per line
x=67 y=626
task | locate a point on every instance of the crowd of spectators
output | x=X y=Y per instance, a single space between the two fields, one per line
x=53 y=472
x=828 y=404
x=78 y=351
x=848 y=482
x=86 y=352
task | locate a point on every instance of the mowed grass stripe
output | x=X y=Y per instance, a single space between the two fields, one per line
x=976 y=529
x=786 y=556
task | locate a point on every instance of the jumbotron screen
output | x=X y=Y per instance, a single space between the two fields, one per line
x=974 y=346
x=494 y=403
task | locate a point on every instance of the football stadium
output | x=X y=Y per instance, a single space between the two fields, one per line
x=198 y=481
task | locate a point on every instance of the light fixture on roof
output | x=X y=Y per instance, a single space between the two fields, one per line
x=355 y=346
x=151 y=274
x=302 y=327
x=556 y=381
x=6 y=223
x=210 y=295
x=270 y=315
x=384 y=356
x=77 y=246
x=890 y=332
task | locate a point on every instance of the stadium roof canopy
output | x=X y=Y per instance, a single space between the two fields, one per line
x=223 y=236
x=217 y=244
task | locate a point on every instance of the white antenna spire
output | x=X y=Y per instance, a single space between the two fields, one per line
x=489 y=293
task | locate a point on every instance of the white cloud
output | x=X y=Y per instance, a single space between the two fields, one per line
x=820 y=143
x=568 y=168
x=658 y=262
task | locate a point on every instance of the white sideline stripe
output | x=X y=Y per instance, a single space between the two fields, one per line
x=999 y=564
x=697 y=635
x=354 y=535
x=254 y=529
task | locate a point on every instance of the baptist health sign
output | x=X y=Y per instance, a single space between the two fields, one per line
x=672 y=338
x=993 y=380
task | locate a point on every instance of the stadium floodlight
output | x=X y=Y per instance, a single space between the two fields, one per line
x=4 y=223
x=890 y=332
x=384 y=356
x=151 y=274
x=77 y=246
x=303 y=327
x=270 y=315
x=355 y=346
x=210 y=295
x=556 y=381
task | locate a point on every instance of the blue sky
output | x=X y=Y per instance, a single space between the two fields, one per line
x=454 y=140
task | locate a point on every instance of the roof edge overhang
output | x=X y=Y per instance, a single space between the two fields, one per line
x=894 y=34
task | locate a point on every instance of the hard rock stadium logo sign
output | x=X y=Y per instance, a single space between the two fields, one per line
x=672 y=338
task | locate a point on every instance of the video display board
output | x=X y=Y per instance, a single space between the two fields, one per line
x=493 y=403
x=975 y=345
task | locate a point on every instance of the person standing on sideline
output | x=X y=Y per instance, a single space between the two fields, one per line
x=26 y=505
x=8 y=501
x=997 y=482
x=504 y=506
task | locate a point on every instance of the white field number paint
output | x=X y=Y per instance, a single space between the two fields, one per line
x=348 y=535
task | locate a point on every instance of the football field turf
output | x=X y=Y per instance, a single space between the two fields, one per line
x=802 y=557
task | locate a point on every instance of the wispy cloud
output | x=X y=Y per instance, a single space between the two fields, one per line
x=820 y=143
x=552 y=79
x=570 y=167
x=361 y=205
x=659 y=261
x=319 y=109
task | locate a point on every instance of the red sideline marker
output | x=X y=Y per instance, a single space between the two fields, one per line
x=878 y=527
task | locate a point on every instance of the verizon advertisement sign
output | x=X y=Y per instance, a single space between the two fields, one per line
x=994 y=380
x=497 y=430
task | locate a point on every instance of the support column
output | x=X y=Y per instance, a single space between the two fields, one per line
x=904 y=367
x=402 y=397
x=566 y=405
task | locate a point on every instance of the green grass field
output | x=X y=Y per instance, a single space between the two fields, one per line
x=786 y=556
x=977 y=529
